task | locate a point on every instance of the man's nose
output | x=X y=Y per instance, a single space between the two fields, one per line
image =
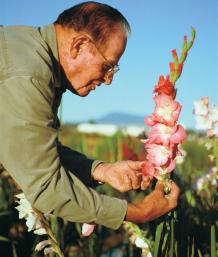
x=108 y=79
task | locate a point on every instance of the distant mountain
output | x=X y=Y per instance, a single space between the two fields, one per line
x=121 y=119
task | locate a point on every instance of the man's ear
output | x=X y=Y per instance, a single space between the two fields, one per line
x=77 y=44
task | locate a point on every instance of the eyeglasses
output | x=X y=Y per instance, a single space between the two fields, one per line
x=108 y=68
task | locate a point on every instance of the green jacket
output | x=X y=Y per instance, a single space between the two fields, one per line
x=54 y=178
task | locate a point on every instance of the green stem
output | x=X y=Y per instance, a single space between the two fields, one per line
x=52 y=238
x=171 y=251
x=213 y=241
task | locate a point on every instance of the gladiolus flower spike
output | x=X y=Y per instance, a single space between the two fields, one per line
x=178 y=63
x=38 y=222
x=165 y=135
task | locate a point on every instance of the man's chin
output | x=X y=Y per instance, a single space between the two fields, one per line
x=83 y=92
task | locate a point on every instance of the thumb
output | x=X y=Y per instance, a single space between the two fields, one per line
x=159 y=187
x=174 y=190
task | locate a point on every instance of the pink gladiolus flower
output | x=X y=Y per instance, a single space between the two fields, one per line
x=166 y=135
x=166 y=111
x=87 y=229
x=170 y=166
x=158 y=155
x=165 y=86
x=167 y=168
x=163 y=141
x=148 y=169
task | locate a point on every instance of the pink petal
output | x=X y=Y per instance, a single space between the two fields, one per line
x=170 y=166
x=87 y=229
x=148 y=169
x=158 y=154
x=179 y=135
x=149 y=121
x=160 y=134
x=166 y=110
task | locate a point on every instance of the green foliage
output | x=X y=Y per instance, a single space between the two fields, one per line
x=189 y=231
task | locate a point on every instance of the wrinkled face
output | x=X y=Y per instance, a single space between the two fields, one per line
x=88 y=64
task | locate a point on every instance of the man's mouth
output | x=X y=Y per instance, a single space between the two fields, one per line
x=94 y=85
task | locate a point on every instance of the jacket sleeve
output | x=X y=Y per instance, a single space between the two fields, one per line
x=29 y=152
x=78 y=164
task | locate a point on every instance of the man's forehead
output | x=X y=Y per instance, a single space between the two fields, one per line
x=114 y=49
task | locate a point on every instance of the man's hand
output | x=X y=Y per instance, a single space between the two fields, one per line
x=154 y=205
x=122 y=175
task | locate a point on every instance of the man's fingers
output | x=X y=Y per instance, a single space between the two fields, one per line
x=135 y=165
x=146 y=180
x=136 y=179
x=127 y=179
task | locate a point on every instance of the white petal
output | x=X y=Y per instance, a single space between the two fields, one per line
x=201 y=106
x=22 y=212
x=213 y=113
x=214 y=182
x=20 y=196
x=26 y=204
x=40 y=231
x=42 y=245
x=202 y=122
x=48 y=250
x=31 y=221
x=208 y=145
x=149 y=254
x=179 y=159
x=139 y=242
x=200 y=183
x=215 y=129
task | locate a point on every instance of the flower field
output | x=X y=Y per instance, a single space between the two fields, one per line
x=190 y=230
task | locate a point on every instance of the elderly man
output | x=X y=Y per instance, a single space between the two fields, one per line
x=78 y=52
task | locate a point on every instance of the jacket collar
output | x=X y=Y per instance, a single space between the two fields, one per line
x=49 y=35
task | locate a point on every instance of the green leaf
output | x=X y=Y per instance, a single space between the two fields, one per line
x=158 y=233
x=190 y=198
x=5 y=213
x=5 y=239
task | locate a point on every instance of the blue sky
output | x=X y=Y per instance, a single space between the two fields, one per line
x=157 y=28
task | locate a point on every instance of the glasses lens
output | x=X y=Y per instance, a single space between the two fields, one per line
x=106 y=68
x=116 y=68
